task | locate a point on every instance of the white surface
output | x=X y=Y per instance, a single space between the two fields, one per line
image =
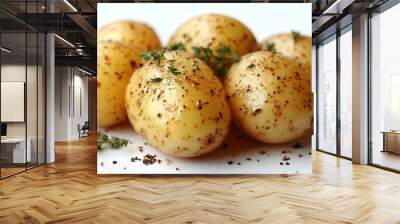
x=238 y=150
x=19 y=149
x=12 y=101
x=262 y=18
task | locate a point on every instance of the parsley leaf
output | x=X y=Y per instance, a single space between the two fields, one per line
x=113 y=142
x=173 y=70
x=176 y=47
x=158 y=79
x=271 y=47
x=295 y=35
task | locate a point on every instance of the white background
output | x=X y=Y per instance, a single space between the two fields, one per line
x=264 y=19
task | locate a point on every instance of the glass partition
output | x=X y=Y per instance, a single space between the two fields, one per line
x=385 y=89
x=22 y=77
x=327 y=96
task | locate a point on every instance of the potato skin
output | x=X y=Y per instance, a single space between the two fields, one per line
x=297 y=48
x=136 y=35
x=115 y=65
x=215 y=31
x=270 y=97
x=183 y=115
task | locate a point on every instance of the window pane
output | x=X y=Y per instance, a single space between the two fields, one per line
x=346 y=94
x=327 y=96
x=385 y=89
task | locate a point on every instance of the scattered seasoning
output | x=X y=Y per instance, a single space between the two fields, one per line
x=149 y=159
x=177 y=169
x=101 y=164
x=286 y=158
x=271 y=47
x=173 y=70
x=283 y=151
x=287 y=163
x=113 y=142
x=258 y=160
x=141 y=148
x=262 y=152
x=134 y=159
x=298 y=145
x=309 y=153
x=230 y=162
x=199 y=105
x=159 y=161
x=158 y=79
x=114 y=162
x=239 y=164
x=295 y=35
x=281 y=163
x=248 y=159
x=124 y=168
x=300 y=155
x=251 y=66
x=145 y=143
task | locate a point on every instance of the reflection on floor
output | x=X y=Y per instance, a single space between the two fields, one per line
x=387 y=159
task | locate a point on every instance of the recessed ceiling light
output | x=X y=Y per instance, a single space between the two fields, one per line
x=5 y=50
x=64 y=40
x=70 y=5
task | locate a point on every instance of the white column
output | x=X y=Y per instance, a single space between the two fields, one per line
x=360 y=90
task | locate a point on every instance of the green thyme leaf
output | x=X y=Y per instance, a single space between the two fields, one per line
x=113 y=143
x=173 y=70
x=177 y=47
x=158 y=79
x=295 y=35
x=251 y=66
x=271 y=47
x=152 y=55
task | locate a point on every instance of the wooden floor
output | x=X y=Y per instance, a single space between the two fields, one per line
x=69 y=191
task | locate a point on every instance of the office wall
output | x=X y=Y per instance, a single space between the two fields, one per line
x=17 y=73
x=71 y=102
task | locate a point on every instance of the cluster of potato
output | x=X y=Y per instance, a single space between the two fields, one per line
x=182 y=98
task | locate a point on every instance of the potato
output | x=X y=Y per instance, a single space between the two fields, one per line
x=115 y=65
x=216 y=33
x=176 y=103
x=138 y=36
x=292 y=45
x=270 y=97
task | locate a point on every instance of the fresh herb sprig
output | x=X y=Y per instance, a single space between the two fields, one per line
x=220 y=61
x=176 y=47
x=295 y=35
x=113 y=142
x=271 y=47
x=152 y=55
x=173 y=70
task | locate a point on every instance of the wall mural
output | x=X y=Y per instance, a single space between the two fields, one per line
x=214 y=89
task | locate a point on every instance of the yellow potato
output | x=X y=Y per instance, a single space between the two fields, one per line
x=292 y=45
x=136 y=35
x=115 y=65
x=176 y=103
x=270 y=97
x=216 y=33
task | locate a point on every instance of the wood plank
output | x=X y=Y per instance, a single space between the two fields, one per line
x=70 y=191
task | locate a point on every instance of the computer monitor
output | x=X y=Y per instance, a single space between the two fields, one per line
x=3 y=129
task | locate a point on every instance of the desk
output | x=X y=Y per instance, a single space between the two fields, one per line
x=391 y=141
x=18 y=151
